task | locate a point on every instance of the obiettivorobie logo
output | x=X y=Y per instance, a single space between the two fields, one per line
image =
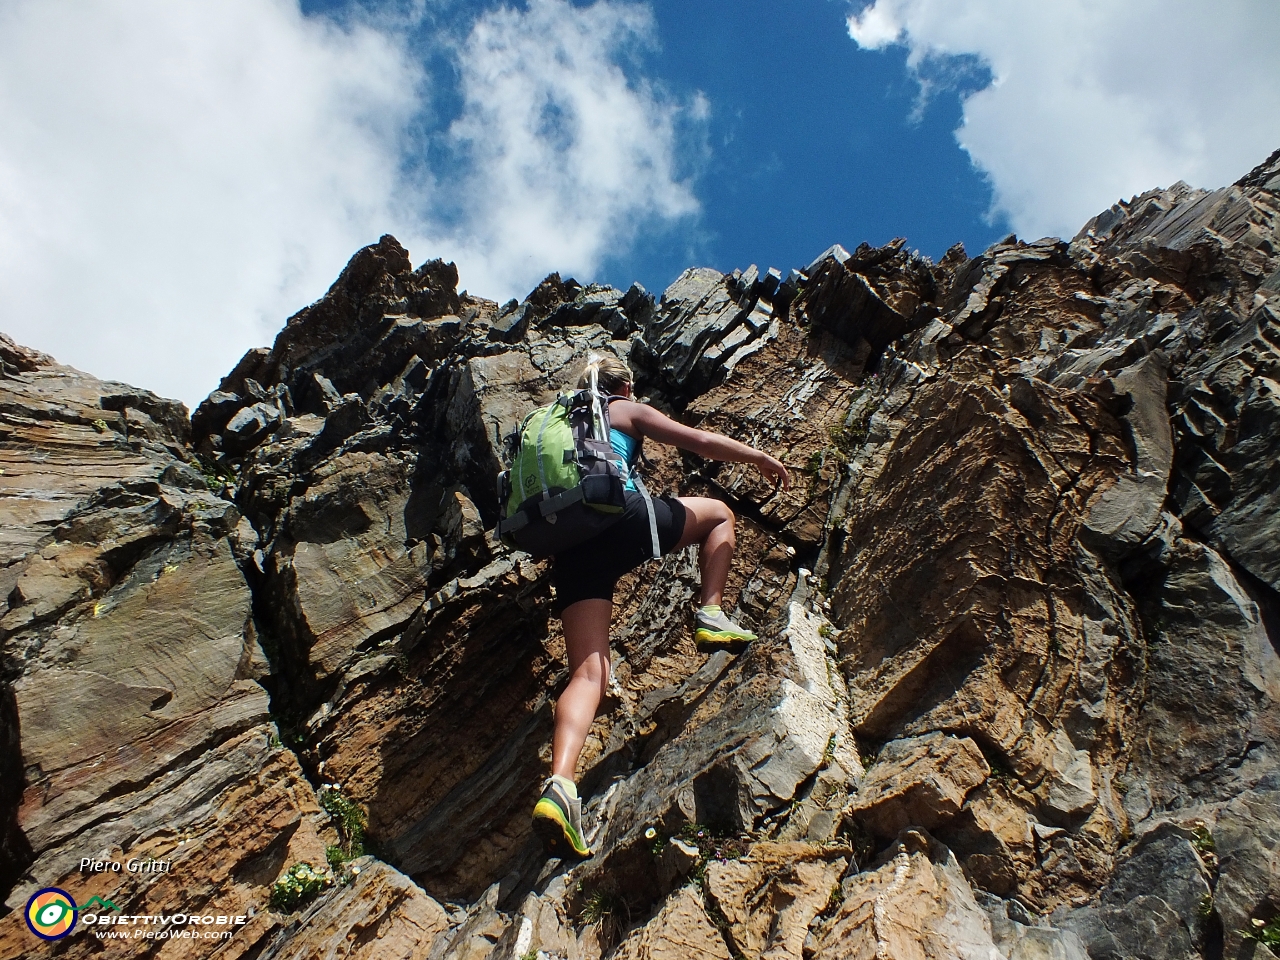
x=51 y=912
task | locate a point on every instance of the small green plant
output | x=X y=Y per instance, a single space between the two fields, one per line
x=1202 y=840
x=217 y=476
x=300 y=884
x=814 y=464
x=867 y=753
x=529 y=955
x=833 y=902
x=846 y=438
x=350 y=819
x=338 y=856
x=401 y=663
x=712 y=844
x=274 y=741
x=829 y=754
x=600 y=905
x=101 y=426
x=1001 y=773
x=1205 y=908
x=1263 y=931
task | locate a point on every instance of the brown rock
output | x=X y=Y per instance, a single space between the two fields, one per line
x=919 y=781
x=916 y=905
x=59 y=444
x=679 y=931
x=379 y=914
x=772 y=895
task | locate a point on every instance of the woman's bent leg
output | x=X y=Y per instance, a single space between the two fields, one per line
x=586 y=639
x=709 y=523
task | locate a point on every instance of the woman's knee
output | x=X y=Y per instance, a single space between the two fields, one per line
x=726 y=523
x=594 y=670
x=704 y=517
x=729 y=517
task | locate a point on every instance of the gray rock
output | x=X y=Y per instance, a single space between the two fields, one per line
x=1145 y=928
x=511 y=326
x=1229 y=460
x=250 y=425
x=1125 y=516
x=475 y=937
x=1165 y=865
x=1209 y=722
x=755 y=737
x=378 y=903
x=675 y=861
x=1247 y=841
x=1019 y=937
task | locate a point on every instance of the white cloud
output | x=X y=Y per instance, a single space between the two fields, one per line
x=176 y=178
x=1094 y=101
x=569 y=157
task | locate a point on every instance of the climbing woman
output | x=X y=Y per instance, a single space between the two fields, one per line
x=585 y=576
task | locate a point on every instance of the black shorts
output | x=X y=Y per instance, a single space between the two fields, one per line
x=591 y=570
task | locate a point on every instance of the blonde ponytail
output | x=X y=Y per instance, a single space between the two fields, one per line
x=605 y=373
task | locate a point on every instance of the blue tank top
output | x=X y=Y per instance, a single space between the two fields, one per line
x=628 y=448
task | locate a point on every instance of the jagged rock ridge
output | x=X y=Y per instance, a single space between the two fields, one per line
x=1016 y=689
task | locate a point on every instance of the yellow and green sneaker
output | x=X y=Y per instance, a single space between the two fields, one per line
x=714 y=631
x=557 y=819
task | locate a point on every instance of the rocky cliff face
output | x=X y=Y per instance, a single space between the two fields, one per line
x=1016 y=691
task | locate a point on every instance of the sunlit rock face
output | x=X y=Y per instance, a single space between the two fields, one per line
x=1015 y=693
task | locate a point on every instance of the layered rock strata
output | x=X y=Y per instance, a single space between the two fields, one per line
x=1016 y=688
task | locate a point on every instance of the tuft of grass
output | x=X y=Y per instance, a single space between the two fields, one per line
x=834 y=900
x=604 y=909
x=600 y=905
x=861 y=842
x=299 y=885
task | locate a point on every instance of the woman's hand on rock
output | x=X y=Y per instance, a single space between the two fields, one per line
x=774 y=470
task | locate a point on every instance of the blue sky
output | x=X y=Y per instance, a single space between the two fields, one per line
x=811 y=140
x=807 y=140
x=177 y=179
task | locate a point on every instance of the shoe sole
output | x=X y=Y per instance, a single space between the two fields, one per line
x=713 y=640
x=555 y=832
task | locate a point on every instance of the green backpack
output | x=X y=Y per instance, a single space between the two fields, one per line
x=566 y=483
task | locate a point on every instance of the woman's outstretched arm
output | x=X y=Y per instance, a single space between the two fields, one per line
x=640 y=420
